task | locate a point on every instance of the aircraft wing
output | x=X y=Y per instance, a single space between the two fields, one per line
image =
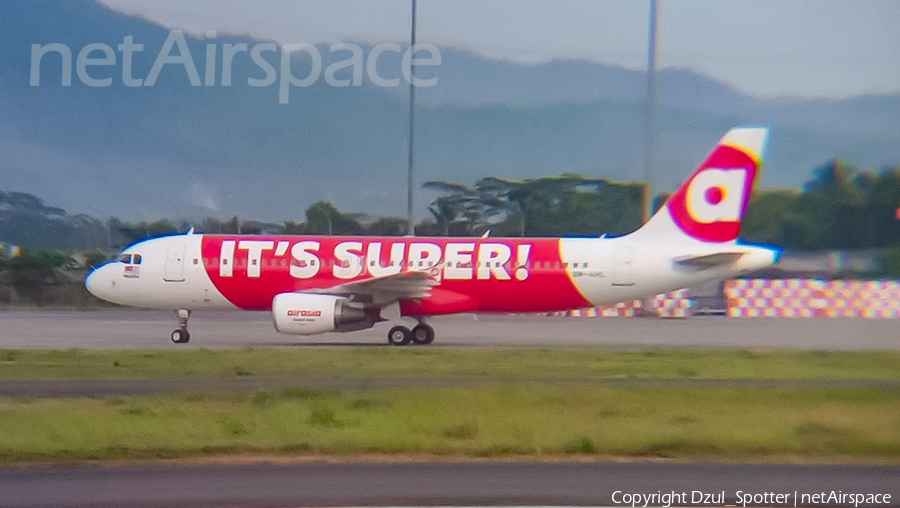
x=705 y=261
x=389 y=288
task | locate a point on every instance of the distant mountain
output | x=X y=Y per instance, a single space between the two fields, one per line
x=176 y=150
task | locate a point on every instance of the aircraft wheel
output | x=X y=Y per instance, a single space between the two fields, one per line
x=423 y=334
x=399 y=336
x=180 y=336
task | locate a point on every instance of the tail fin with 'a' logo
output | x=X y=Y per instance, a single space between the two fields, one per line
x=710 y=205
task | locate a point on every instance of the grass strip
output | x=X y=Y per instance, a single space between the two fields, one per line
x=500 y=364
x=490 y=421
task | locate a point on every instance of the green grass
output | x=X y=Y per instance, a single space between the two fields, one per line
x=499 y=364
x=497 y=420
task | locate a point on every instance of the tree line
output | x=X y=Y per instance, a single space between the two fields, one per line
x=841 y=207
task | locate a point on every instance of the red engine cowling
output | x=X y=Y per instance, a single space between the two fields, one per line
x=306 y=314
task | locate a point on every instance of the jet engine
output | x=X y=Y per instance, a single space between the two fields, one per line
x=307 y=314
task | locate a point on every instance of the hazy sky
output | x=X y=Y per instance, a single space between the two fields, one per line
x=765 y=47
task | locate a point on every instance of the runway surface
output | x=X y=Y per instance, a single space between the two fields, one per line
x=426 y=484
x=127 y=329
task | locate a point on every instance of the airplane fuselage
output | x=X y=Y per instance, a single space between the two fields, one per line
x=475 y=274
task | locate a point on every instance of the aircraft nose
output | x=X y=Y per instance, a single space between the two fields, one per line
x=97 y=282
x=90 y=282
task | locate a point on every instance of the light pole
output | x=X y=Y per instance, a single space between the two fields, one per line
x=410 y=228
x=651 y=125
x=651 y=111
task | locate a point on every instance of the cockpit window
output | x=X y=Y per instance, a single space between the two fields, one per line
x=130 y=259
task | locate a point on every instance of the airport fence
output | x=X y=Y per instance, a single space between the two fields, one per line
x=788 y=298
x=675 y=304
x=813 y=298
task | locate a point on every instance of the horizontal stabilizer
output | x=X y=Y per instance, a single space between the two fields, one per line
x=709 y=260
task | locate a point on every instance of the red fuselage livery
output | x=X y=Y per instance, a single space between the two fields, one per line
x=487 y=275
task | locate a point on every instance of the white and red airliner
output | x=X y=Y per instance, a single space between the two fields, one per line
x=339 y=284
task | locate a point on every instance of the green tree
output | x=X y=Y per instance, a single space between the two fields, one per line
x=134 y=231
x=25 y=220
x=322 y=218
x=34 y=273
x=459 y=206
x=387 y=226
x=294 y=228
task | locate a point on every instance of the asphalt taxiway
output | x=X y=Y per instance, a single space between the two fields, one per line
x=127 y=329
x=431 y=484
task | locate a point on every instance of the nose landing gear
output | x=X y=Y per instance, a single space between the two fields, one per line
x=181 y=334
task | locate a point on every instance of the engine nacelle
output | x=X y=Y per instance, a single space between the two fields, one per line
x=305 y=314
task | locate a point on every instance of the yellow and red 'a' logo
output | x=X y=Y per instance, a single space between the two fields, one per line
x=710 y=205
x=716 y=195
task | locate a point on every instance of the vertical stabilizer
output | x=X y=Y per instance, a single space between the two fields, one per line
x=710 y=205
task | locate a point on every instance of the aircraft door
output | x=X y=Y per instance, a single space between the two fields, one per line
x=623 y=269
x=174 y=271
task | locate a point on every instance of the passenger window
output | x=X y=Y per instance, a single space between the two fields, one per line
x=137 y=260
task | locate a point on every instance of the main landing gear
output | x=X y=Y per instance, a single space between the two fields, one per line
x=181 y=335
x=421 y=334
